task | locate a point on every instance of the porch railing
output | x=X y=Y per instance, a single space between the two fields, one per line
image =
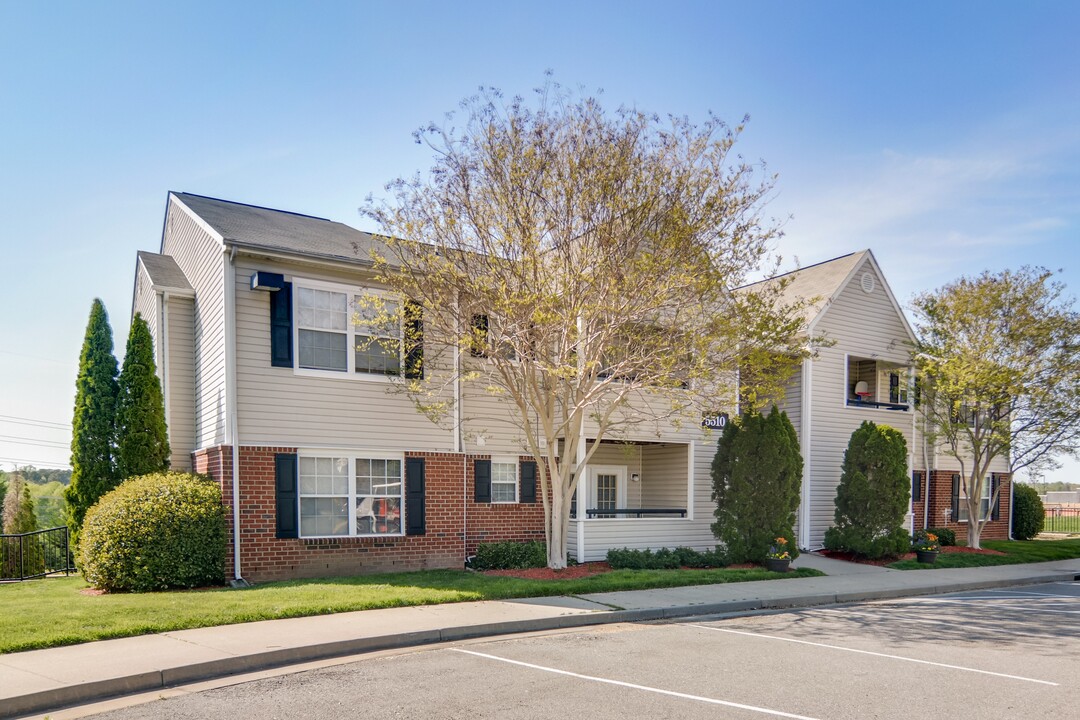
x=35 y=554
x=634 y=512
x=1062 y=519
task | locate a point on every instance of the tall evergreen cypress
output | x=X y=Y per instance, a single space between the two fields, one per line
x=18 y=507
x=142 y=442
x=872 y=497
x=757 y=476
x=93 y=425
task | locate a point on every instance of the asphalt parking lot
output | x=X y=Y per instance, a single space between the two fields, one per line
x=988 y=654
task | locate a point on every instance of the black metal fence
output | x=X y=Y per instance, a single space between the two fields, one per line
x=35 y=554
x=1062 y=518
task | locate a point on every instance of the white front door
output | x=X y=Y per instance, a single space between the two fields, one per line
x=607 y=488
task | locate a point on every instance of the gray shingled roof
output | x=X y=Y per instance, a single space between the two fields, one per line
x=164 y=272
x=821 y=281
x=250 y=226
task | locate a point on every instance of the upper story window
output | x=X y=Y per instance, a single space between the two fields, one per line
x=876 y=384
x=347 y=332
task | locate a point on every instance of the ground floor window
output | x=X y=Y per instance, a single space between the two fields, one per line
x=504 y=481
x=984 y=503
x=350 y=494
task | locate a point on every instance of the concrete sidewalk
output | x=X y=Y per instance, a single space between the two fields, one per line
x=39 y=680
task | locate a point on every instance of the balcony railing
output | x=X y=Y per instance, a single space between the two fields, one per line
x=855 y=402
x=634 y=512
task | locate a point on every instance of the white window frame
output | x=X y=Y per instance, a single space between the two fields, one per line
x=352 y=456
x=986 y=498
x=620 y=473
x=505 y=461
x=351 y=342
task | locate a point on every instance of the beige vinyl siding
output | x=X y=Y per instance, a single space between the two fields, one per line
x=792 y=400
x=864 y=325
x=277 y=406
x=488 y=416
x=201 y=258
x=663 y=476
x=181 y=370
x=146 y=305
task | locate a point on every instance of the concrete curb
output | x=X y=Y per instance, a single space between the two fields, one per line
x=159 y=679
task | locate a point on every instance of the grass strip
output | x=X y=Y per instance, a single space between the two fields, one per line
x=1016 y=552
x=54 y=611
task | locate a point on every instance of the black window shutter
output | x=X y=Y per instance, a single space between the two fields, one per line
x=482 y=481
x=528 y=481
x=281 y=345
x=916 y=486
x=414 y=340
x=478 y=347
x=286 y=498
x=995 y=483
x=894 y=387
x=415 y=500
x=955 y=497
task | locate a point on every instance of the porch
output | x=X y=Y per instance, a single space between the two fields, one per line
x=637 y=495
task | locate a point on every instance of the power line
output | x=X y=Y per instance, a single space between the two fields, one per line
x=36 y=441
x=24 y=420
x=38 y=464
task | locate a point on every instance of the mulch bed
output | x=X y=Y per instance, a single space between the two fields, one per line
x=945 y=549
x=578 y=571
x=571 y=573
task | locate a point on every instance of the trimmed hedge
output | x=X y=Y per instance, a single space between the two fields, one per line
x=1029 y=514
x=509 y=555
x=154 y=532
x=664 y=559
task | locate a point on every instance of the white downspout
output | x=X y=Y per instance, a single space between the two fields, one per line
x=232 y=425
x=806 y=428
x=163 y=366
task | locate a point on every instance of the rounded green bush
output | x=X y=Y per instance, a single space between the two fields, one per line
x=1028 y=512
x=155 y=532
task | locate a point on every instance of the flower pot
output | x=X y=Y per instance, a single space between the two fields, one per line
x=774 y=565
x=926 y=556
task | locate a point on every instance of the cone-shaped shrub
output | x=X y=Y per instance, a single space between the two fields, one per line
x=142 y=443
x=93 y=425
x=872 y=498
x=1029 y=514
x=757 y=475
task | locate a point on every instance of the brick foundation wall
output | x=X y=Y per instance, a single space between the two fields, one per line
x=455 y=523
x=940 y=499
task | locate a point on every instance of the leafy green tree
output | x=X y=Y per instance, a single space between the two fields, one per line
x=142 y=442
x=93 y=425
x=872 y=497
x=757 y=475
x=581 y=265
x=998 y=358
x=3 y=487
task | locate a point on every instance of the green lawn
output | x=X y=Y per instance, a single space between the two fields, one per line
x=1016 y=551
x=51 y=612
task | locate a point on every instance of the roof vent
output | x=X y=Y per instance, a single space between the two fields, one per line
x=868 y=283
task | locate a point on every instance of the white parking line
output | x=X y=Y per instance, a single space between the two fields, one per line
x=646 y=688
x=1029 y=592
x=876 y=654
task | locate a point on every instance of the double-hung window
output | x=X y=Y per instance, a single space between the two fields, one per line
x=345 y=331
x=504 y=481
x=322 y=321
x=350 y=494
x=984 y=503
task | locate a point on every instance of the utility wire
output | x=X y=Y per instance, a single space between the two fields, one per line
x=36 y=441
x=26 y=421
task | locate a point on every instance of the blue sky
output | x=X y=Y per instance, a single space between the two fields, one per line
x=945 y=136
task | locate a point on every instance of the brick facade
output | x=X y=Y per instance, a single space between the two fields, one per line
x=455 y=523
x=939 y=496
